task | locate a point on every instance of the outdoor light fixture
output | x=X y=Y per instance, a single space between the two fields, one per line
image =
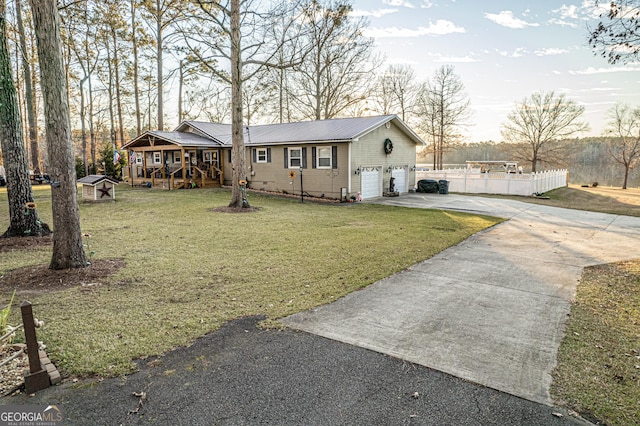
x=413 y=169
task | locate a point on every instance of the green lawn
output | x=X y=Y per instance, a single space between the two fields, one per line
x=190 y=269
x=598 y=369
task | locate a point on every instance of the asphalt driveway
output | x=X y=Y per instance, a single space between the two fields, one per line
x=492 y=309
x=241 y=375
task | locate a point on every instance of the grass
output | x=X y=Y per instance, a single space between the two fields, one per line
x=599 y=360
x=189 y=269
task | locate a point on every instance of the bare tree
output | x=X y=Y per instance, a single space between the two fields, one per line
x=236 y=31
x=337 y=71
x=396 y=91
x=30 y=100
x=624 y=147
x=135 y=67
x=24 y=220
x=67 y=238
x=617 y=35
x=255 y=97
x=538 y=124
x=162 y=14
x=81 y=40
x=443 y=108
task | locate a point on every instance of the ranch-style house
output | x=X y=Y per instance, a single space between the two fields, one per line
x=338 y=158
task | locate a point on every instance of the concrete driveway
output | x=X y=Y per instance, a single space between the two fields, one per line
x=490 y=310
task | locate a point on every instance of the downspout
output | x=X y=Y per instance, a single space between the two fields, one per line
x=349 y=170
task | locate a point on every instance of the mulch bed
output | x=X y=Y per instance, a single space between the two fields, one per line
x=40 y=279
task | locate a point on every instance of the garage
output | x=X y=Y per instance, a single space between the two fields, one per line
x=400 y=179
x=370 y=182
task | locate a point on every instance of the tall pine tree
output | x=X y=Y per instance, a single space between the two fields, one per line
x=24 y=218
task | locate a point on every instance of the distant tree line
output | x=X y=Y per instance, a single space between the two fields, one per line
x=588 y=160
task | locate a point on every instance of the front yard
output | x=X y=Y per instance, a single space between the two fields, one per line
x=188 y=269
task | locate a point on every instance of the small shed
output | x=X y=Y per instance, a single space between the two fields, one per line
x=98 y=188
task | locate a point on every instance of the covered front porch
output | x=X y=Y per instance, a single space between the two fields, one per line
x=169 y=161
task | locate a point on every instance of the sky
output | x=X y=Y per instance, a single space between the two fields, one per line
x=504 y=51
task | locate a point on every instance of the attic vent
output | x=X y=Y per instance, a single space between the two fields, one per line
x=387 y=124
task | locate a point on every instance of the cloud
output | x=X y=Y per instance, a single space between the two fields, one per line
x=506 y=19
x=377 y=13
x=563 y=23
x=455 y=59
x=426 y=4
x=601 y=70
x=519 y=52
x=568 y=12
x=397 y=3
x=550 y=51
x=441 y=27
x=591 y=10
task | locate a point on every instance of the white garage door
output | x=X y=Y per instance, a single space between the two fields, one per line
x=370 y=182
x=400 y=179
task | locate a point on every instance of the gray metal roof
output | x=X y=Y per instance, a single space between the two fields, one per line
x=96 y=179
x=216 y=131
x=203 y=134
x=177 y=138
x=335 y=130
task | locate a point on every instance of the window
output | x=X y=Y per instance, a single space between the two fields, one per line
x=177 y=158
x=324 y=157
x=157 y=158
x=261 y=155
x=295 y=158
x=138 y=158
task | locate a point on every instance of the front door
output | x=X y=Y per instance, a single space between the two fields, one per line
x=210 y=160
x=191 y=161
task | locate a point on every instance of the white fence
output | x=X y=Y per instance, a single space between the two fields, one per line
x=473 y=182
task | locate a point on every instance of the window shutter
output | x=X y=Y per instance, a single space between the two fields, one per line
x=268 y=155
x=304 y=157
x=255 y=155
x=229 y=156
x=313 y=157
x=286 y=158
x=334 y=157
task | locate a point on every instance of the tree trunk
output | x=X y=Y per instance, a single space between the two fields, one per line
x=23 y=216
x=180 y=85
x=159 y=66
x=92 y=132
x=83 y=127
x=67 y=238
x=116 y=66
x=238 y=198
x=28 y=91
x=136 y=89
x=110 y=85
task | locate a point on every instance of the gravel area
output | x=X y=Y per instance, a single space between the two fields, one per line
x=12 y=374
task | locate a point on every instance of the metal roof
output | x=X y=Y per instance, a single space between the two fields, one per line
x=203 y=134
x=177 y=138
x=96 y=179
x=334 y=130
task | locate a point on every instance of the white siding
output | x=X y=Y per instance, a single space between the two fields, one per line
x=371 y=184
